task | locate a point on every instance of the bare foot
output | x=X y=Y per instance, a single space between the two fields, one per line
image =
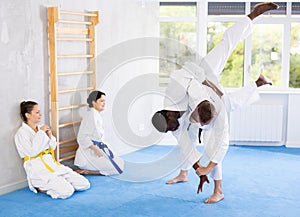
x=216 y=197
x=41 y=191
x=81 y=172
x=262 y=80
x=261 y=8
x=177 y=179
x=88 y=172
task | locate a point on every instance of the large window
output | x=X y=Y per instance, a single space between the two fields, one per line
x=232 y=75
x=294 y=81
x=178 y=37
x=177 y=45
x=267 y=51
x=200 y=25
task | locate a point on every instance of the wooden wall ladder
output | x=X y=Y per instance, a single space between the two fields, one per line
x=68 y=30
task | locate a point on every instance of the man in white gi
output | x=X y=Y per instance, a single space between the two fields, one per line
x=196 y=100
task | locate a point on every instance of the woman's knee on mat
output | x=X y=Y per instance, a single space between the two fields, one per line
x=60 y=188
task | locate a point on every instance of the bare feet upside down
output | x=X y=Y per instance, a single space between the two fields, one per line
x=87 y=172
x=261 y=8
x=262 y=80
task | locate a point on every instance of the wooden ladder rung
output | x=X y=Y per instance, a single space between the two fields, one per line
x=67 y=141
x=74 y=39
x=74 y=73
x=75 y=56
x=78 y=13
x=68 y=148
x=72 y=31
x=67 y=158
x=75 y=90
x=72 y=107
x=71 y=28
x=75 y=22
x=69 y=124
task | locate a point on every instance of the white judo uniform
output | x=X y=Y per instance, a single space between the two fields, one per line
x=91 y=128
x=43 y=172
x=185 y=92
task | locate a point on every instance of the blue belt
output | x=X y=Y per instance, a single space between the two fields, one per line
x=108 y=153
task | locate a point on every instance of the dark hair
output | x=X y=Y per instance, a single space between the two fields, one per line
x=26 y=107
x=160 y=121
x=94 y=96
x=206 y=111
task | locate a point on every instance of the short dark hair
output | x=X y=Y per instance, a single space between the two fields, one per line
x=26 y=107
x=160 y=121
x=206 y=111
x=94 y=96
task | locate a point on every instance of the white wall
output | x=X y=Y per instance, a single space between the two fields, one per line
x=24 y=61
x=293 y=120
x=24 y=65
x=250 y=126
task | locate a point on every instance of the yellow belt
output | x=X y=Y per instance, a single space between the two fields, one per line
x=40 y=155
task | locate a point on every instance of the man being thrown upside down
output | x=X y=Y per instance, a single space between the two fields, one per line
x=194 y=99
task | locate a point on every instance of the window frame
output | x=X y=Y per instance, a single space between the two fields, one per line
x=202 y=19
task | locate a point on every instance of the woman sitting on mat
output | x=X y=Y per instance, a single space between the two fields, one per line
x=93 y=157
x=35 y=144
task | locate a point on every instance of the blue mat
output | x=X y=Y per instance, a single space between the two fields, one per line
x=257 y=181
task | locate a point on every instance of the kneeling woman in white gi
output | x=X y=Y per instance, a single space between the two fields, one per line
x=93 y=156
x=35 y=144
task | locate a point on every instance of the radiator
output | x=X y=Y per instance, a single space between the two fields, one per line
x=257 y=123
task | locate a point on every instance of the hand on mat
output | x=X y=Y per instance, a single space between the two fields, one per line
x=203 y=179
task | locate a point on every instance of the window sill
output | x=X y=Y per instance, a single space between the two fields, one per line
x=268 y=90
